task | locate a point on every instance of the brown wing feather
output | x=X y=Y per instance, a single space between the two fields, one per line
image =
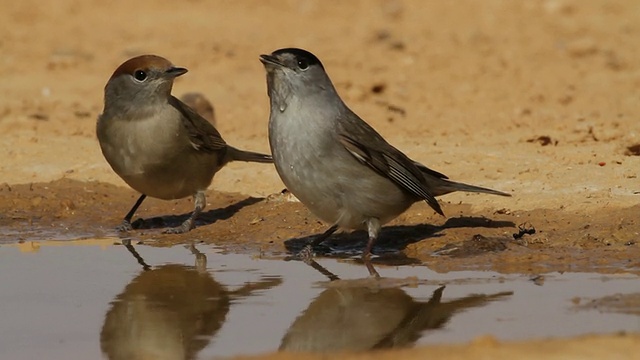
x=202 y=134
x=372 y=150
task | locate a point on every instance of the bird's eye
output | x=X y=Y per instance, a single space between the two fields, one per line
x=303 y=64
x=140 y=75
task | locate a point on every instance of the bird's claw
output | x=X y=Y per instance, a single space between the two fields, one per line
x=185 y=227
x=306 y=254
x=124 y=227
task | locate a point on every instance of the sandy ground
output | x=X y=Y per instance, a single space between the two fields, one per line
x=537 y=98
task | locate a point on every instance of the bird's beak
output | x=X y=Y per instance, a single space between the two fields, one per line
x=270 y=60
x=174 y=72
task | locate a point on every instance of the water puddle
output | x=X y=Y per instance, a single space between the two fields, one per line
x=95 y=300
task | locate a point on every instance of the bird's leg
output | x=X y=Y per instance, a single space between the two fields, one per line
x=306 y=254
x=200 y=202
x=322 y=237
x=126 y=223
x=373 y=228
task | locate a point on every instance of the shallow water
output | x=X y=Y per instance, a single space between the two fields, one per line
x=91 y=299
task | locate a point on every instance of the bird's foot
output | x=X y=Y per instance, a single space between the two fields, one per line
x=185 y=227
x=128 y=226
x=305 y=255
x=124 y=226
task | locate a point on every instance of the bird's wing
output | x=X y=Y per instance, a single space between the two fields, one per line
x=368 y=147
x=428 y=171
x=202 y=135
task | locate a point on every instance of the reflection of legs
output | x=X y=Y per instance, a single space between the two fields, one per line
x=306 y=255
x=200 y=202
x=370 y=268
x=201 y=259
x=126 y=223
x=132 y=250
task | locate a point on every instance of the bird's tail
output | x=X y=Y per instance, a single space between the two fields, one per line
x=444 y=186
x=234 y=154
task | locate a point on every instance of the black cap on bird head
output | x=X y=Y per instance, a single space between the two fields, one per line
x=292 y=58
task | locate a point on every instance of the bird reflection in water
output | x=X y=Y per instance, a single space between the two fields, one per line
x=360 y=315
x=170 y=311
